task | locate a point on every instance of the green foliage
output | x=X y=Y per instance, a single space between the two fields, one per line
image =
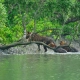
x=8 y=35
x=3 y=15
x=39 y=15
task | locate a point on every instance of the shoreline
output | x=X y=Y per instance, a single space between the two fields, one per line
x=33 y=49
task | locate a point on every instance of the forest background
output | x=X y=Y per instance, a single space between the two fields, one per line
x=55 y=18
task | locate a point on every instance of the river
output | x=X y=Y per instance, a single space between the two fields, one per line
x=40 y=67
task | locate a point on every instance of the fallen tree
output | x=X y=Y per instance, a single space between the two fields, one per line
x=22 y=43
x=57 y=49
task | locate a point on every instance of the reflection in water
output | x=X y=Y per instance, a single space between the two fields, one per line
x=40 y=67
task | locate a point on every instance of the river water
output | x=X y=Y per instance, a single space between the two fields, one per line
x=40 y=67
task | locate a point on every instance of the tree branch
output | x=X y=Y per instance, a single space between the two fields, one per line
x=22 y=43
x=72 y=19
x=57 y=49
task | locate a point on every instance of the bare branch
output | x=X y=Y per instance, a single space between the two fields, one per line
x=57 y=49
x=22 y=43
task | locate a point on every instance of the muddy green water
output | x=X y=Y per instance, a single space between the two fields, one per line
x=40 y=67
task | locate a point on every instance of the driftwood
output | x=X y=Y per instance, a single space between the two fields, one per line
x=23 y=43
x=57 y=49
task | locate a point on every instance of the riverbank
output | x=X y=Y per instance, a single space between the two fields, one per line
x=32 y=49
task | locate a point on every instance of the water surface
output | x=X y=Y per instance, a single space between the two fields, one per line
x=40 y=67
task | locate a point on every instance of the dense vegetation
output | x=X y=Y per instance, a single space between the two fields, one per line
x=56 y=18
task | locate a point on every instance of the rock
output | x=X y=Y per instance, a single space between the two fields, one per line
x=60 y=50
